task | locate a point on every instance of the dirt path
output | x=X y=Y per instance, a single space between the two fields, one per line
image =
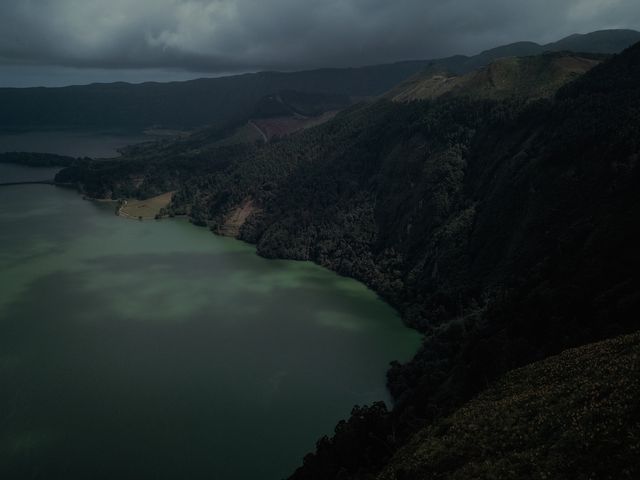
x=259 y=130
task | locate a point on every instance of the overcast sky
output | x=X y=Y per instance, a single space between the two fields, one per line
x=57 y=42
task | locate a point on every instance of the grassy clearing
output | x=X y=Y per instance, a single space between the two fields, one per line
x=145 y=209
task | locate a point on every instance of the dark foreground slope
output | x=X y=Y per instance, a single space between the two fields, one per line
x=231 y=99
x=503 y=228
x=575 y=415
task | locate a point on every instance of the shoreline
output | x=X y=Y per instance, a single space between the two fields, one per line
x=148 y=209
x=393 y=400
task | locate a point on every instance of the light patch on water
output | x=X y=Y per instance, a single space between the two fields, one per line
x=269 y=281
x=30 y=213
x=33 y=250
x=267 y=356
x=155 y=291
x=355 y=289
x=290 y=275
x=339 y=321
x=19 y=271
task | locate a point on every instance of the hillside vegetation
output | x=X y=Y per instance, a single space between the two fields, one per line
x=501 y=226
x=575 y=415
x=524 y=77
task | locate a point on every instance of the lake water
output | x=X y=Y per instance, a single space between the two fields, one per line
x=70 y=143
x=155 y=350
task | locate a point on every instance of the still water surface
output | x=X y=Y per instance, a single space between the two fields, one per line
x=71 y=143
x=157 y=350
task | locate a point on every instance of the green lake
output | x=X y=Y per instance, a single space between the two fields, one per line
x=156 y=350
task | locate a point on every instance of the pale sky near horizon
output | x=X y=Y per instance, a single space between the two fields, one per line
x=61 y=42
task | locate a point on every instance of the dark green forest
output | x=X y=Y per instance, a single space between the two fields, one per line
x=503 y=229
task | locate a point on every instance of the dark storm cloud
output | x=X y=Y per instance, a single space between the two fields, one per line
x=241 y=35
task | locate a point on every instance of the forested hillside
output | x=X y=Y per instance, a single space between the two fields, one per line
x=526 y=77
x=574 y=415
x=501 y=226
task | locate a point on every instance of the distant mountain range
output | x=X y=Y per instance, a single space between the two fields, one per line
x=602 y=41
x=234 y=99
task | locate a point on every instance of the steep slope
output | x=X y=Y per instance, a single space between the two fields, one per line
x=523 y=77
x=533 y=76
x=233 y=99
x=536 y=209
x=575 y=415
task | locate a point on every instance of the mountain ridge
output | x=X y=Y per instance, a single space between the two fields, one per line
x=201 y=102
x=531 y=77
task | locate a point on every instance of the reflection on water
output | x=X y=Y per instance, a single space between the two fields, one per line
x=70 y=143
x=157 y=350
